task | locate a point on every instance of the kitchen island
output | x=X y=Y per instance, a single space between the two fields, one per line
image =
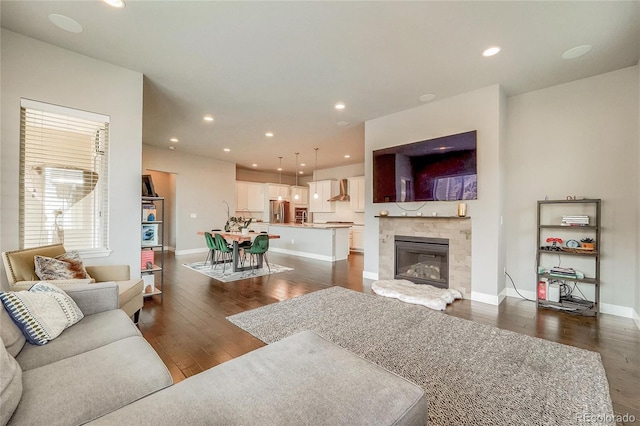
x=321 y=241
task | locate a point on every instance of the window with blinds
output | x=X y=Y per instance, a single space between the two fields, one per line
x=63 y=177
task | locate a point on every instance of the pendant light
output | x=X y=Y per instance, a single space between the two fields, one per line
x=295 y=195
x=315 y=175
x=280 y=169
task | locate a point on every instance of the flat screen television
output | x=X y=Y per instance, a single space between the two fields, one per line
x=441 y=169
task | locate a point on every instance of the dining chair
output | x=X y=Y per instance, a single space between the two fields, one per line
x=259 y=247
x=213 y=248
x=226 y=252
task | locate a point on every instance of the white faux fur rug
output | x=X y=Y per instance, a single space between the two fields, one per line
x=418 y=294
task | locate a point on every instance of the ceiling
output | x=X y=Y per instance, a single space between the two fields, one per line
x=280 y=67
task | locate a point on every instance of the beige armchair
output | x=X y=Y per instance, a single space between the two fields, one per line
x=20 y=269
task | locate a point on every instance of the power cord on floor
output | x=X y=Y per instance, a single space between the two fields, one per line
x=516 y=289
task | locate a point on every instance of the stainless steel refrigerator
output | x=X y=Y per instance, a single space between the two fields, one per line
x=279 y=211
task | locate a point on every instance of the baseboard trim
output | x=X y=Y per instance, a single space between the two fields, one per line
x=302 y=254
x=605 y=308
x=191 y=251
x=370 y=275
x=617 y=310
x=487 y=298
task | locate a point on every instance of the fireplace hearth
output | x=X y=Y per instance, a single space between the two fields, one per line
x=422 y=260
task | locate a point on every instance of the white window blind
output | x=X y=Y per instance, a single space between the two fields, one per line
x=63 y=177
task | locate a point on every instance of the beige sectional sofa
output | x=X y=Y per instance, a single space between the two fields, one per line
x=94 y=367
x=102 y=371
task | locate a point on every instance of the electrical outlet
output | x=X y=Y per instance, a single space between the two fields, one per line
x=292 y=241
x=193 y=215
x=505 y=270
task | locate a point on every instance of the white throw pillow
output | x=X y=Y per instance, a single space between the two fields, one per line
x=42 y=313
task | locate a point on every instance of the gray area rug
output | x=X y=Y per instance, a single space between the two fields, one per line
x=473 y=374
x=228 y=275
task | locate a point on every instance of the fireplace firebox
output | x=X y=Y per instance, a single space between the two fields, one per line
x=422 y=260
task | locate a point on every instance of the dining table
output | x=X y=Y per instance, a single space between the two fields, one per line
x=236 y=238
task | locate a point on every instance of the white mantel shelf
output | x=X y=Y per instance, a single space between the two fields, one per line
x=423 y=217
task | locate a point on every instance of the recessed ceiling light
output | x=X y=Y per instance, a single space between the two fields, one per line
x=65 y=23
x=347 y=156
x=254 y=165
x=279 y=169
x=301 y=172
x=302 y=164
x=174 y=140
x=171 y=147
x=340 y=105
x=226 y=150
x=427 y=97
x=342 y=123
x=576 y=52
x=491 y=51
x=208 y=118
x=269 y=134
x=115 y=3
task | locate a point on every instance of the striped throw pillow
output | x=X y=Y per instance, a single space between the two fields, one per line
x=42 y=312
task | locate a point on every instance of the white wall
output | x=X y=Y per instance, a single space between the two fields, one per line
x=202 y=184
x=340 y=172
x=478 y=110
x=263 y=177
x=39 y=71
x=579 y=138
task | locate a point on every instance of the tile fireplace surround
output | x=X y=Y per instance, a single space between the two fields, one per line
x=456 y=230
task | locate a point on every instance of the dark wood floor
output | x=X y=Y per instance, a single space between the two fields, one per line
x=190 y=333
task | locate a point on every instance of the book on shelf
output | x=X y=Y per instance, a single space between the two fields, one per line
x=578 y=220
x=563 y=272
x=149 y=212
x=145 y=257
x=149 y=283
x=149 y=235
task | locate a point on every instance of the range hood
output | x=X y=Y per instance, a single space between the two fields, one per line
x=343 y=196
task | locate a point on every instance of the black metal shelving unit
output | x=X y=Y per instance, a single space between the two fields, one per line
x=158 y=248
x=551 y=222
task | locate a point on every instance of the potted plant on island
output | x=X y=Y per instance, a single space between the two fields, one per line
x=588 y=243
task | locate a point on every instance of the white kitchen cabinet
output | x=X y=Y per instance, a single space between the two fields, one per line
x=356 y=192
x=357 y=238
x=303 y=194
x=277 y=190
x=325 y=189
x=249 y=196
